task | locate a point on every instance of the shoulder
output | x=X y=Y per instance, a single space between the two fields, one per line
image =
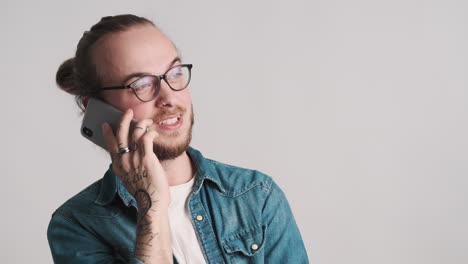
x=232 y=180
x=236 y=179
x=83 y=203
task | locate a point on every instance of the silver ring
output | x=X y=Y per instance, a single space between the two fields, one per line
x=145 y=129
x=123 y=150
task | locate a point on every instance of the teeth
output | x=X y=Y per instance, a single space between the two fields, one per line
x=169 y=121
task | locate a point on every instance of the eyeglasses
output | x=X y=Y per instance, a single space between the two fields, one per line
x=147 y=87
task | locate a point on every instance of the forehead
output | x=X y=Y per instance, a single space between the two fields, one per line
x=142 y=48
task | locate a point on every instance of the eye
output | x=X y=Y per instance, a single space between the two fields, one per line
x=175 y=73
x=144 y=84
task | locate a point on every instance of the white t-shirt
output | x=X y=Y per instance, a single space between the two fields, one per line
x=185 y=245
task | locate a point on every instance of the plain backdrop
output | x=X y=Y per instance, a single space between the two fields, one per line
x=358 y=109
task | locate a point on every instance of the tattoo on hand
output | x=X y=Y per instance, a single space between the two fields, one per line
x=136 y=177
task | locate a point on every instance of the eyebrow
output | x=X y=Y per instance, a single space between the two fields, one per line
x=140 y=74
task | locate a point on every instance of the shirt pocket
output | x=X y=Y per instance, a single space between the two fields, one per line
x=246 y=246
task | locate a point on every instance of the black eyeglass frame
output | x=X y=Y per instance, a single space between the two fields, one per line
x=159 y=77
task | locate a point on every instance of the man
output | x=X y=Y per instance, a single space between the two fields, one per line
x=161 y=201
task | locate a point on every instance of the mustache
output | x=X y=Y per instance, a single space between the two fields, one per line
x=178 y=110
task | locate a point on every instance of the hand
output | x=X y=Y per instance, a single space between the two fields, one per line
x=142 y=174
x=139 y=170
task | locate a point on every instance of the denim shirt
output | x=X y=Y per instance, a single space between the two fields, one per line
x=239 y=216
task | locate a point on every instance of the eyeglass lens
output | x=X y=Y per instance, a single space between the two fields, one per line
x=147 y=87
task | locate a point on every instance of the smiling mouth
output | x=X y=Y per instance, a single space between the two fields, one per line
x=169 y=121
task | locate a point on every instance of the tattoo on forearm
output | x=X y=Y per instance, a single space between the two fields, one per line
x=145 y=236
x=144 y=231
x=144 y=202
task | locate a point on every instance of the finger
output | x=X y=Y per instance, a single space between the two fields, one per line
x=147 y=139
x=122 y=132
x=109 y=139
x=140 y=129
x=122 y=139
x=112 y=148
x=153 y=166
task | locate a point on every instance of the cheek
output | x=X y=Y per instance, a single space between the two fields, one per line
x=115 y=98
x=186 y=97
x=143 y=111
x=123 y=101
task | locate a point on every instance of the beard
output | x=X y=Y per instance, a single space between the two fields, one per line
x=168 y=152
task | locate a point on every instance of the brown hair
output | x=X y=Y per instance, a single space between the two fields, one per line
x=78 y=75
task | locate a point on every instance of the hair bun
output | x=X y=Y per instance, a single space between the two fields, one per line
x=65 y=77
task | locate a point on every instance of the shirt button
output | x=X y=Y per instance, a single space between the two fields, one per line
x=254 y=247
x=199 y=217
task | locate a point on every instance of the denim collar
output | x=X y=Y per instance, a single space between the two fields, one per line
x=112 y=185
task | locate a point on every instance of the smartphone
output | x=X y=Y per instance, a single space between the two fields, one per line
x=98 y=112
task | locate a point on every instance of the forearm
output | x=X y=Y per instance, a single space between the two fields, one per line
x=153 y=239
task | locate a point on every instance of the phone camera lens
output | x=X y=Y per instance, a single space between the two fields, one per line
x=88 y=132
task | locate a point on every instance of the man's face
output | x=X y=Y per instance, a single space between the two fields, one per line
x=143 y=50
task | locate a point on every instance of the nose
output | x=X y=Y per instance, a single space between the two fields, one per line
x=166 y=97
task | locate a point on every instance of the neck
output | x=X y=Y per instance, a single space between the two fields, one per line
x=178 y=170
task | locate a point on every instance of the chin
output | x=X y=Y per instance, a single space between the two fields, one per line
x=171 y=146
x=175 y=148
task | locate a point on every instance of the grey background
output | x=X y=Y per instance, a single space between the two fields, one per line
x=358 y=109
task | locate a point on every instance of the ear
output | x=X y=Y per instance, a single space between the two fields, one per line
x=84 y=101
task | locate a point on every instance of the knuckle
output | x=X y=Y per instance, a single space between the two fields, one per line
x=136 y=134
x=143 y=139
x=134 y=146
x=144 y=164
x=136 y=161
x=141 y=122
x=147 y=161
x=125 y=167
